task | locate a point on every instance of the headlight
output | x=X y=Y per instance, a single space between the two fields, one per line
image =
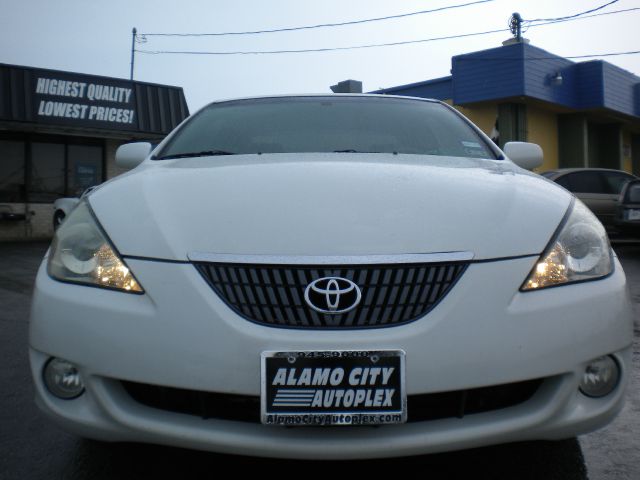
x=579 y=251
x=81 y=253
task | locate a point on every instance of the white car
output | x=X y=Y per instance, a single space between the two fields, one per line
x=282 y=274
x=62 y=207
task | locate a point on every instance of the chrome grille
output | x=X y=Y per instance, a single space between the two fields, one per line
x=273 y=295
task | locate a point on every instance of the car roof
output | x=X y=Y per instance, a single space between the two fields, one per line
x=321 y=95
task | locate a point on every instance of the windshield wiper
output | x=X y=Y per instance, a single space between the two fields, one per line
x=204 y=153
x=350 y=150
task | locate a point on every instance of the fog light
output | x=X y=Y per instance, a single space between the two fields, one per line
x=600 y=377
x=63 y=379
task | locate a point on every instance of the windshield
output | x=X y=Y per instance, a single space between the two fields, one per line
x=327 y=124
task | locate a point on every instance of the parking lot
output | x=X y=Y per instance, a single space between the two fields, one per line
x=33 y=448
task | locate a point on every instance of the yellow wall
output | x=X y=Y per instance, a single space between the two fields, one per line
x=484 y=116
x=542 y=128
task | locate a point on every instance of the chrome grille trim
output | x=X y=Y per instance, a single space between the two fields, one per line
x=333 y=260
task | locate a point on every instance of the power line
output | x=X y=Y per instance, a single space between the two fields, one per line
x=498 y=59
x=322 y=25
x=571 y=19
x=310 y=50
x=356 y=47
x=614 y=54
x=572 y=16
x=549 y=57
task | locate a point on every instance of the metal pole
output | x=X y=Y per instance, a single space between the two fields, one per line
x=133 y=50
x=518 y=26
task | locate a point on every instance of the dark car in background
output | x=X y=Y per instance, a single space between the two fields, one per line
x=598 y=188
x=627 y=218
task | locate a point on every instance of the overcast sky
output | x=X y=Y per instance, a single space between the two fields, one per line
x=95 y=37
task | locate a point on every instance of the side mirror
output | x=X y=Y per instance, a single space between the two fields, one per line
x=525 y=155
x=130 y=155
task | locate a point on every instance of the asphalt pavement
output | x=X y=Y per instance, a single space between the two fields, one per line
x=614 y=451
x=31 y=447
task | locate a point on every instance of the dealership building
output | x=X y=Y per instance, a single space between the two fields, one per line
x=582 y=114
x=58 y=135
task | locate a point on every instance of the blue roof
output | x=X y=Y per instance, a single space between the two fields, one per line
x=522 y=70
x=438 y=88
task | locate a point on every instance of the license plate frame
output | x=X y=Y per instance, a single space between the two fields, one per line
x=296 y=388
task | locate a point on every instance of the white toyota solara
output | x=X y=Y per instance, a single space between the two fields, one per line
x=281 y=265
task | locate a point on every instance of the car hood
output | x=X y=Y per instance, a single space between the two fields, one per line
x=329 y=204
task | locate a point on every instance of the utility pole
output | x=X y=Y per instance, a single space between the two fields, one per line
x=133 y=50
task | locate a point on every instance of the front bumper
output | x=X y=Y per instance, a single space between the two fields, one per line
x=180 y=334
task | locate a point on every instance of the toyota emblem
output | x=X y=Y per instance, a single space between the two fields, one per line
x=332 y=295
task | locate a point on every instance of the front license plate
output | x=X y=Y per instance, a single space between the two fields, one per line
x=333 y=388
x=634 y=214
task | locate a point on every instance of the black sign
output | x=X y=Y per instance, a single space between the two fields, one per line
x=333 y=388
x=83 y=100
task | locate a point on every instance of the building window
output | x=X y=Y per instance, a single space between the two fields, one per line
x=40 y=169
x=84 y=168
x=46 y=175
x=512 y=123
x=12 y=156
